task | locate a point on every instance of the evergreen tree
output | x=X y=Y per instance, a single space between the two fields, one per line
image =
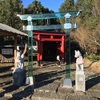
x=67 y=5
x=88 y=25
x=87 y=16
x=36 y=8
x=9 y=10
x=79 y=4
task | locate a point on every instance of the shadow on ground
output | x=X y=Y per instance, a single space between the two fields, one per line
x=92 y=82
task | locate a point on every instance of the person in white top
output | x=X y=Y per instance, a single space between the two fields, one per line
x=20 y=57
x=58 y=60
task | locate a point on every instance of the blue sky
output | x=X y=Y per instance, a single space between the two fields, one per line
x=50 y=4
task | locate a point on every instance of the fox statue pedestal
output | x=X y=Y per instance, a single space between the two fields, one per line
x=80 y=81
x=79 y=76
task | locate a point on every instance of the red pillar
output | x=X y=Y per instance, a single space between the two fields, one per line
x=62 y=47
x=40 y=49
x=38 y=54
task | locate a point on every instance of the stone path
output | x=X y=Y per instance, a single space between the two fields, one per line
x=49 y=85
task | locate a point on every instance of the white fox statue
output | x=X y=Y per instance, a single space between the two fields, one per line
x=79 y=61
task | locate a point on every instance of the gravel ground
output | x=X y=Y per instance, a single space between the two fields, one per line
x=48 y=84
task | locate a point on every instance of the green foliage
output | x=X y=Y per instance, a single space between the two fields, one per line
x=9 y=10
x=36 y=8
x=92 y=22
x=79 y=4
x=88 y=26
x=88 y=18
x=67 y=5
x=93 y=57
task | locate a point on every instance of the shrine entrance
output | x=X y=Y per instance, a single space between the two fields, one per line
x=49 y=51
x=49 y=45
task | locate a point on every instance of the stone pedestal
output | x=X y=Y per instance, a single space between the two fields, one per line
x=67 y=83
x=29 y=80
x=80 y=81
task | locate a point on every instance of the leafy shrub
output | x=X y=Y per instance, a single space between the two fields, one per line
x=93 y=57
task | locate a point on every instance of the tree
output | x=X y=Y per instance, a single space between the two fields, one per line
x=9 y=10
x=87 y=16
x=67 y=5
x=96 y=7
x=36 y=8
x=88 y=33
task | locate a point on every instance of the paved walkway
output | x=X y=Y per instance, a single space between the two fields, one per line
x=49 y=85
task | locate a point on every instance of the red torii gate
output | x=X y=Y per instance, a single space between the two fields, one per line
x=40 y=37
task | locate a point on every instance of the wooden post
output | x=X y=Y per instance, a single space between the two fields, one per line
x=15 y=48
